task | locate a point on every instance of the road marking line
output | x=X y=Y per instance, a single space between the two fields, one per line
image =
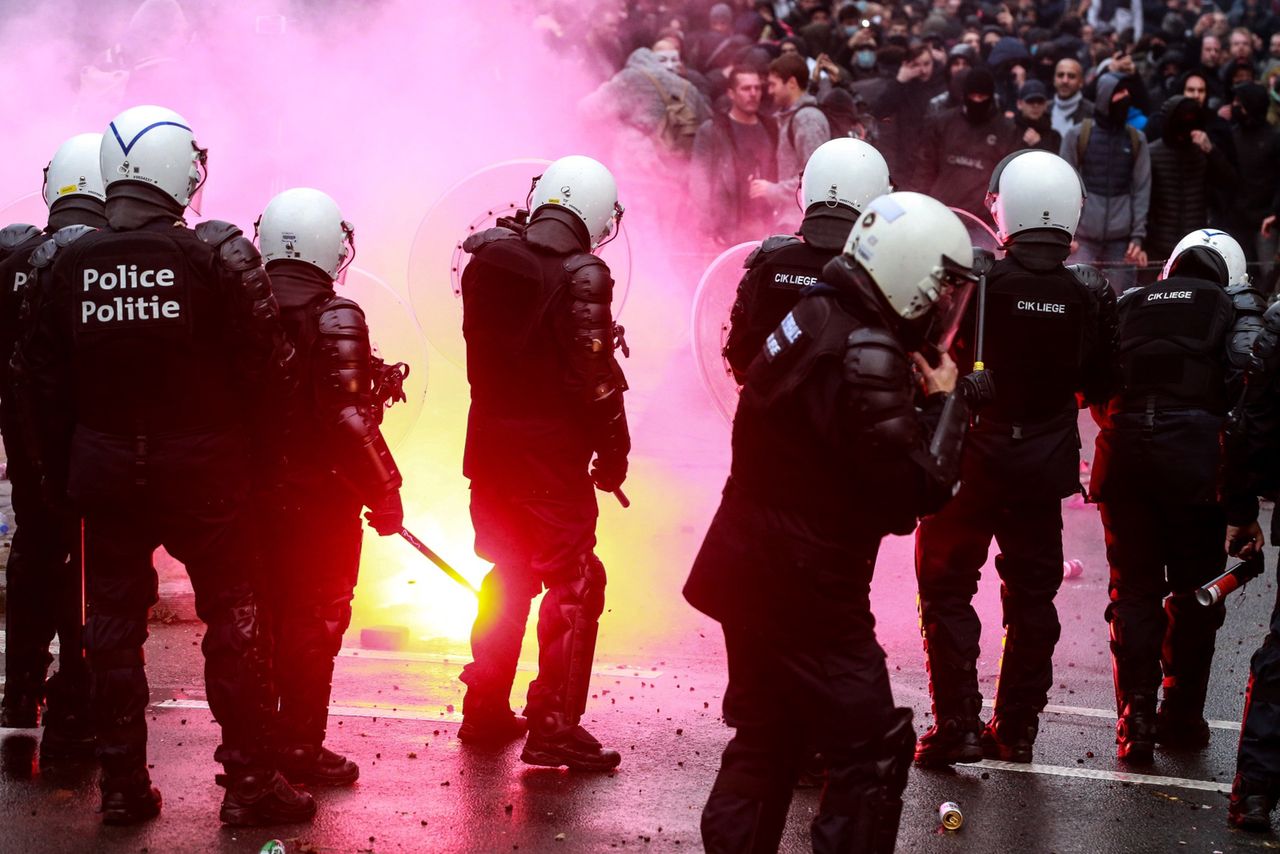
x=340 y=711
x=1080 y=711
x=620 y=670
x=1097 y=774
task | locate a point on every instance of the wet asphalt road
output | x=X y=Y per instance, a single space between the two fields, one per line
x=420 y=790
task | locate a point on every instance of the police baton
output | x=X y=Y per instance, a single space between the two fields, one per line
x=437 y=560
x=622 y=498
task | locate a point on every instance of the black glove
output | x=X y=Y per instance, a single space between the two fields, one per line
x=609 y=470
x=387 y=516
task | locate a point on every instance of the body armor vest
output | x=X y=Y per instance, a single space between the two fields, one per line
x=1172 y=347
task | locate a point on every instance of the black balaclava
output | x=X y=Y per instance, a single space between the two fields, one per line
x=979 y=82
x=1254 y=101
x=1182 y=115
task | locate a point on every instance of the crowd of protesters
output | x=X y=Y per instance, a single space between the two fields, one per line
x=1168 y=110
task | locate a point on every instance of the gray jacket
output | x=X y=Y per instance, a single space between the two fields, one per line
x=1111 y=217
x=801 y=129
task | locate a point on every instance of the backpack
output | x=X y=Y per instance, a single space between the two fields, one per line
x=838 y=120
x=1086 y=129
x=679 y=124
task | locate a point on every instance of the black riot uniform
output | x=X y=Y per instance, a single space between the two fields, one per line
x=1184 y=342
x=777 y=271
x=328 y=462
x=1254 y=469
x=546 y=394
x=149 y=345
x=43 y=577
x=828 y=445
x=1049 y=336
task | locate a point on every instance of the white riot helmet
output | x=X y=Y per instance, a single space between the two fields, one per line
x=846 y=172
x=583 y=186
x=1219 y=243
x=156 y=146
x=306 y=225
x=918 y=254
x=75 y=170
x=1032 y=189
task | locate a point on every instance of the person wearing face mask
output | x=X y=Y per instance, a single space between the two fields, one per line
x=960 y=60
x=1186 y=168
x=1258 y=148
x=1033 y=120
x=960 y=147
x=1114 y=162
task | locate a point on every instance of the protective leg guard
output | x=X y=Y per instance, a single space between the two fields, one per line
x=237 y=657
x=1136 y=728
x=1187 y=658
x=741 y=818
x=306 y=644
x=567 y=624
x=862 y=804
x=120 y=695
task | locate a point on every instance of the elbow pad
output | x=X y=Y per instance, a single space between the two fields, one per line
x=344 y=393
x=593 y=330
x=1265 y=357
x=881 y=399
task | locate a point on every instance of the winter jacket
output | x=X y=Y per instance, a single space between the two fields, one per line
x=1117 y=177
x=719 y=182
x=955 y=158
x=1183 y=178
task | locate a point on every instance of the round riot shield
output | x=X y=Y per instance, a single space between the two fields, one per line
x=717 y=290
x=436 y=259
x=29 y=209
x=396 y=337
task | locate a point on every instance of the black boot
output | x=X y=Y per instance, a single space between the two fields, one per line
x=129 y=800
x=571 y=746
x=1251 y=806
x=1010 y=736
x=19 y=710
x=263 y=798
x=953 y=737
x=312 y=765
x=489 y=723
x=1136 y=729
x=1180 y=728
x=68 y=725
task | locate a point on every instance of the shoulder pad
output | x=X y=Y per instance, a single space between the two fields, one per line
x=1129 y=295
x=873 y=357
x=489 y=235
x=341 y=316
x=1245 y=299
x=1271 y=319
x=589 y=278
x=770 y=244
x=215 y=232
x=11 y=236
x=1092 y=278
x=44 y=254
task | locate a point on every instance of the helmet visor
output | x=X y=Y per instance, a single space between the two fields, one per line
x=199 y=174
x=348 y=252
x=955 y=285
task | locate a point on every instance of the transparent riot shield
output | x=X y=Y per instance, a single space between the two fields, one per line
x=436 y=259
x=981 y=235
x=29 y=209
x=712 y=303
x=396 y=337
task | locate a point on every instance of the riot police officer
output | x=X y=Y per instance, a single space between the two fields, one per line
x=1047 y=337
x=1184 y=344
x=329 y=461
x=151 y=342
x=43 y=593
x=840 y=179
x=1253 y=469
x=546 y=396
x=830 y=454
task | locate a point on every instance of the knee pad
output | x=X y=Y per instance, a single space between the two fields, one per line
x=333 y=618
x=234 y=625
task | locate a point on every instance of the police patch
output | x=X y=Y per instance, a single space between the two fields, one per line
x=787 y=334
x=1040 y=308
x=128 y=295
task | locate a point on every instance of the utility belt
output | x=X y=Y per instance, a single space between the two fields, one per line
x=1023 y=429
x=1147 y=408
